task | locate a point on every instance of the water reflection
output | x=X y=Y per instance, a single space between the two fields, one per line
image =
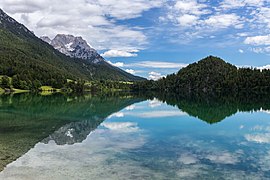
x=135 y=137
x=215 y=108
x=27 y=119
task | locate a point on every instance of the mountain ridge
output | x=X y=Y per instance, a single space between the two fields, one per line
x=33 y=62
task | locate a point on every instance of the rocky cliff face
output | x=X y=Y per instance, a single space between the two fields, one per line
x=75 y=47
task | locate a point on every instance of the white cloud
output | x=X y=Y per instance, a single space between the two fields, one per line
x=260 y=44
x=223 y=21
x=151 y=64
x=127 y=9
x=95 y=21
x=234 y=4
x=258 y=40
x=186 y=13
x=260 y=49
x=131 y=71
x=241 y=51
x=198 y=19
x=120 y=53
x=187 y=20
x=190 y=7
x=117 y=64
x=159 y=64
x=155 y=75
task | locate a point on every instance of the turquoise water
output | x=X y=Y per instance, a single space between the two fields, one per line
x=135 y=138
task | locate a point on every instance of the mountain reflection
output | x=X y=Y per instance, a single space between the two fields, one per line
x=215 y=108
x=74 y=132
x=28 y=119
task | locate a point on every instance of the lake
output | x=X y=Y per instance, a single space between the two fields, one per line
x=128 y=136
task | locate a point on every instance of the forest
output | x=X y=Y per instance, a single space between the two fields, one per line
x=211 y=75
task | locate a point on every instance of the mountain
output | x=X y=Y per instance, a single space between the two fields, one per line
x=75 y=47
x=33 y=61
x=212 y=75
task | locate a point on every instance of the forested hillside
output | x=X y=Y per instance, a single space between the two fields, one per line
x=33 y=62
x=211 y=75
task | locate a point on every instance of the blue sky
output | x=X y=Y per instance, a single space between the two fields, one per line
x=156 y=37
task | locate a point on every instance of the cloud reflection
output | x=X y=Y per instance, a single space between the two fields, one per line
x=161 y=114
x=123 y=127
x=154 y=103
x=100 y=155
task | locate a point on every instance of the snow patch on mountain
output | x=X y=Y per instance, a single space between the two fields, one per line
x=75 y=47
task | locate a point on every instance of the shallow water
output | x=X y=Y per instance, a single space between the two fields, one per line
x=130 y=137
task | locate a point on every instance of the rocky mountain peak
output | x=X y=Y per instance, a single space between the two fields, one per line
x=46 y=39
x=75 y=47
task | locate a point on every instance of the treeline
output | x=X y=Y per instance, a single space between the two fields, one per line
x=211 y=75
x=24 y=83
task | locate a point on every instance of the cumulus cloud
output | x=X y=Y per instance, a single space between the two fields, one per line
x=155 y=75
x=131 y=71
x=232 y=19
x=233 y=4
x=120 y=53
x=223 y=21
x=261 y=44
x=260 y=49
x=200 y=17
x=95 y=21
x=117 y=64
x=190 y=7
x=258 y=40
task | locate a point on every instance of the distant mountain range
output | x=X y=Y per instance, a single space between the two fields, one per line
x=30 y=59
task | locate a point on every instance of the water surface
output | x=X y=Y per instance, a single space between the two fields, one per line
x=133 y=137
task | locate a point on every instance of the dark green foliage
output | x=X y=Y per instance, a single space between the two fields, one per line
x=5 y=82
x=28 y=58
x=211 y=75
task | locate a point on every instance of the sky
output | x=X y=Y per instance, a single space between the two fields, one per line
x=153 y=38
